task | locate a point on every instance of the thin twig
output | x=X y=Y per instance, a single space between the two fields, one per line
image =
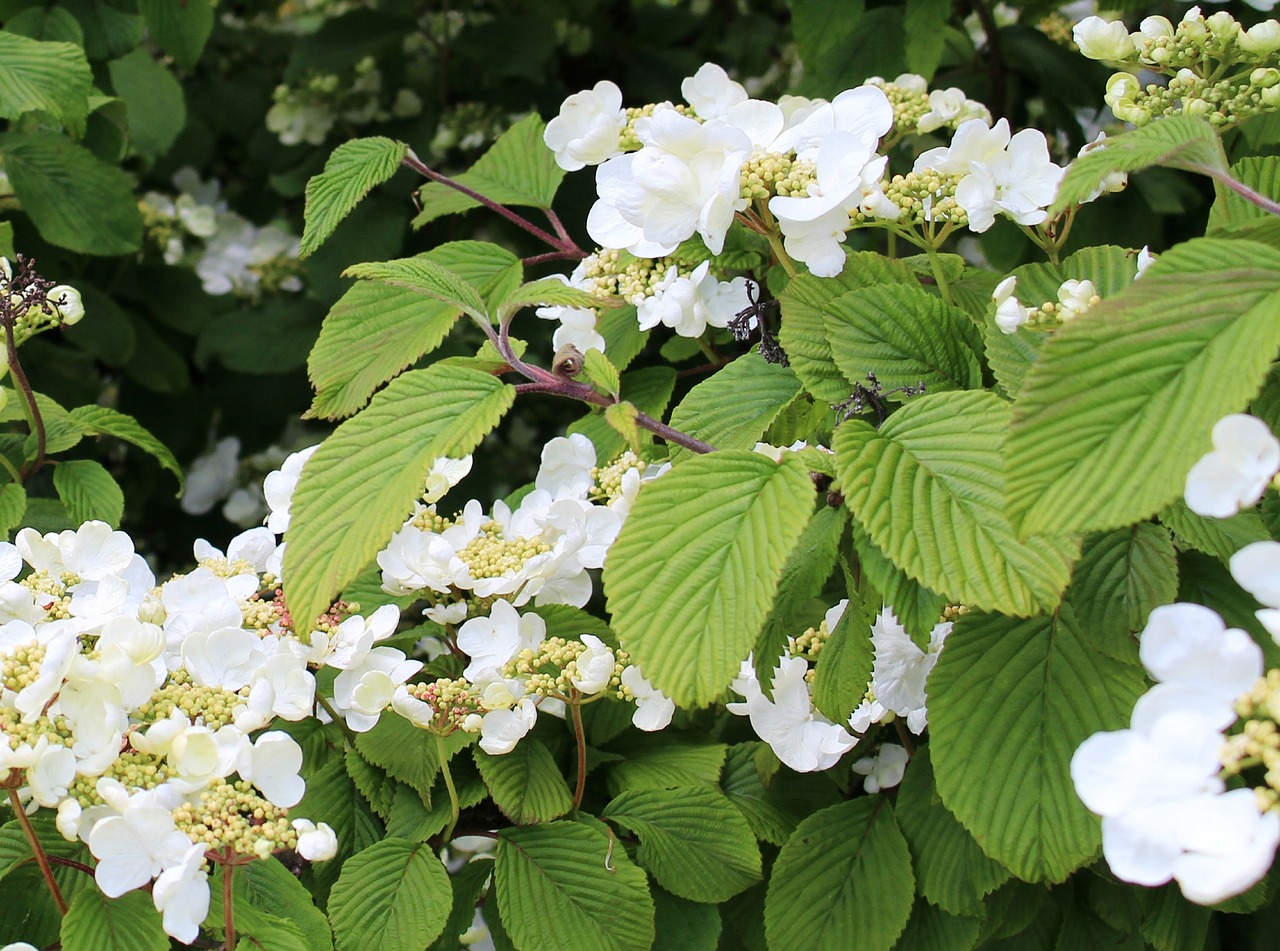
x=28 y=399
x=37 y=848
x=580 y=737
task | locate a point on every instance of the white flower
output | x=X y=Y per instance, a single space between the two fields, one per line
x=884 y=770
x=363 y=691
x=316 y=843
x=595 y=665
x=278 y=488
x=711 y=92
x=798 y=734
x=1244 y=458
x=134 y=847
x=848 y=180
x=1103 y=39
x=503 y=728
x=211 y=476
x=181 y=894
x=1189 y=644
x=901 y=669
x=653 y=708
x=587 y=129
x=689 y=305
x=444 y=474
x=492 y=641
x=685 y=180
x=1113 y=182
x=947 y=106
x=272 y=764
x=566 y=467
x=1076 y=298
x=1256 y=568
x=1262 y=38
x=1010 y=312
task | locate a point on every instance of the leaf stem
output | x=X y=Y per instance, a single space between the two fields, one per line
x=37 y=849
x=228 y=905
x=29 y=406
x=580 y=738
x=562 y=243
x=328 y=708
x=454 y=808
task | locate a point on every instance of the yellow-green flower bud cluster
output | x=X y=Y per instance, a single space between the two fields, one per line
x=51 y=591
x=909 y=96
x=766 y=174
x=1258 y=742
x=453 y=702
x=489 y=555
x=549 y=671
x=1053 y=314
x=1057 y=28
x=1223 y=103
x=429 y=520
x=953 y=612
x=21 y=666
x=628 y=141
x=809 y=644
x=234 y=816
x=926 y=195
x=608 y=479
x=17 y=733
x=134 y=771
x=212 y=706
x=259 y=614
x=608 y=273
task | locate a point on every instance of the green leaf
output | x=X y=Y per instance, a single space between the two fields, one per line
x=649 y=390
x=393 y=896
x=424 y=276
x=766 y=813
x=375 y=330
x=952 y=872
x=550 y=292
x=917 y=608
x=684 y=925
x=1121 y=576
x=906 y=337
x=406 y=752
x=273 y=907
x=104 y=421
x=98 y=923
x=692 y=839
x=823 y=41
x=732 y=408
x=1182 y=142
x=807 y=569
x=603 y=375
x=75 y=200
x=1009 y=702
x=695 y=568
x=1220 y=537
x=518 y=170
x=13 y=506
x=928 y=487
x=181 y=29
x=353 y=170
x=842 y=882
x=357 y=489
x=671 y=764
x=1111 y=269
x=526 y=784
x=844 y=667
x=564 y=886
x=1262 y=174
x=39 y=23
x=805 y=302
x=468 y=885
x=932 y=929
x=1174 y=924
x=88 y=491
x=42 y=76
x=153 y=102
x=924 y=24
x=1119 y=405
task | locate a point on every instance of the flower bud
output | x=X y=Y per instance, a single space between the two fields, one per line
x=67 y=300
x=1099 y=39
x=1261 y=39
x=1223 y=26
x=1155 y=28
x=1264 y=78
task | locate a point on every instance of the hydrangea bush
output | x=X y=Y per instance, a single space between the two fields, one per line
x=878 y=596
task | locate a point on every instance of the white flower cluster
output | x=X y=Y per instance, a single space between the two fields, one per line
x=919 y=109
x=479 y=569
x=222 y=474
x=231 y=255
x=142 y=713
x=993 y=172
x=306 y=113
x=1166 y=810
x=806 y=740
